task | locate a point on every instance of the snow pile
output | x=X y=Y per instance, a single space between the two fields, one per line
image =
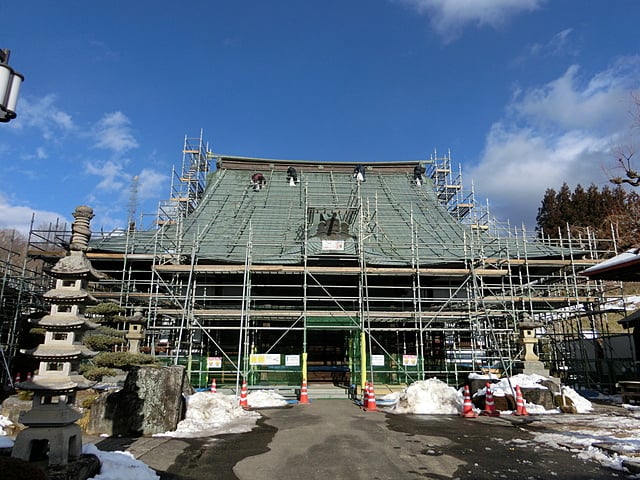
x=507 y=385
x=428 y=396
x=119 y=465
x=581 y=404
x=5 y=442
x=435 y=396
x=211 y=414
x=4 y=422
x=265 y=399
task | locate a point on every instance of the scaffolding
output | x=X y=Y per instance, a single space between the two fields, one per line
x=22 y=283
x=316 y=280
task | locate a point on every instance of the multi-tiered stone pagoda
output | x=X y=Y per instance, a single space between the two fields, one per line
x=51 y=428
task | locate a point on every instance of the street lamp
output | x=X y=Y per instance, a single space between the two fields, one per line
x=10 y=82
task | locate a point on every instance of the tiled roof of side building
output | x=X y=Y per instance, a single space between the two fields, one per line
x=399 y=222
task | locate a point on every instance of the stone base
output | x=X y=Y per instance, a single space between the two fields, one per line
x=533 y=368
x=64 y=444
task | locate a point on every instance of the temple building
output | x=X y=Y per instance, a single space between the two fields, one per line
x=338 y=273
x=341 y=275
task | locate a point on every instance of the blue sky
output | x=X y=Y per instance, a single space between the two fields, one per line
x=527 y=94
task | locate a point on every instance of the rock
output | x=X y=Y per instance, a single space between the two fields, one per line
x=542 y=397
x=17 y=469
x=87 y=466
x=565 y=404
x=11 y=408
x=150 y=402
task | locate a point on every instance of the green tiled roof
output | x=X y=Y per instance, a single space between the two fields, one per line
x=231 y=216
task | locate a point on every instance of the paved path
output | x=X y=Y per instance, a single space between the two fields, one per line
x=333 y=439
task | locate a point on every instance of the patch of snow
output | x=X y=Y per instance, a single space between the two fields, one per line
x=429 y=396
x=582 y=404
x=119 y=465
x=265 y=399
x=211 y=414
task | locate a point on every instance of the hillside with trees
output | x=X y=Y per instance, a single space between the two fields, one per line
x=602 y=211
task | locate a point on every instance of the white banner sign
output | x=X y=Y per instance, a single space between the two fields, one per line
x=409 y=360
x=292 y=360
x=377 y=360
x=333 y=245
x=214 y=362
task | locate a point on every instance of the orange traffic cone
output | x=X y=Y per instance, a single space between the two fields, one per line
x=489 y=404
x=520 y=408
x=243 y=395
x=467 y=408
x=214 y=388
x=17 y=380
x=28 y=376
x=371 y=400
x=304 y=395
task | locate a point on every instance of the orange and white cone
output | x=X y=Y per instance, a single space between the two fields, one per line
x=304 y=395
x=371 y=400
x=243 y=395
x=489 y=404
x=214 y=388
x=467 y=408
x=520 y=408
x=17 y=380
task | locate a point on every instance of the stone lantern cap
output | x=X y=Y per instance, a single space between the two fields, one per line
x=526 y=323
x=137 y=317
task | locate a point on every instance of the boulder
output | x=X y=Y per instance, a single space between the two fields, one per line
x=539 y=396
x=11 y=408
x=151 y=401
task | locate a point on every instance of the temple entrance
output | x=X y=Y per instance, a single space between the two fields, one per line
x=327 y=357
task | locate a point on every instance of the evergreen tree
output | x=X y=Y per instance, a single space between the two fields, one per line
x=547 y=220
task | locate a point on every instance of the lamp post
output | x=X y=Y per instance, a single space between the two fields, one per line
x=10 y=82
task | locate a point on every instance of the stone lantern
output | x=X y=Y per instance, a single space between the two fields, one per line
x=135 y=333
x=531 y=363
x=51 y=429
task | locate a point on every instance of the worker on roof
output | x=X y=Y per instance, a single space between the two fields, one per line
x=258 y=181
x=359 y=173
x=418 y=171
x=292 y=176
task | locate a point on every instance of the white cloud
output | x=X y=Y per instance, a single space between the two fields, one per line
x=151 y=183
x=449 y=17
x=113 y=132
x=111 y=172
x=558 y=45
x=564 y=131
x=567 y=103
x=43 y=115
x=18 y=217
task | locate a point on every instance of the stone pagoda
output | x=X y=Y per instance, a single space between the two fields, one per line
x=51 y=428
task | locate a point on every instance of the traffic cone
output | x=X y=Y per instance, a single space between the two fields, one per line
x=489 y=404
x=304 y=395
x=214 y=388
x=243 y=395
x=17 y=380
x=467 y=408
x=371 y=400
x=520 y=408
x=29 y=377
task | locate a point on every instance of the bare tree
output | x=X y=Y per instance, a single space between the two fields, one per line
x=625 y=154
